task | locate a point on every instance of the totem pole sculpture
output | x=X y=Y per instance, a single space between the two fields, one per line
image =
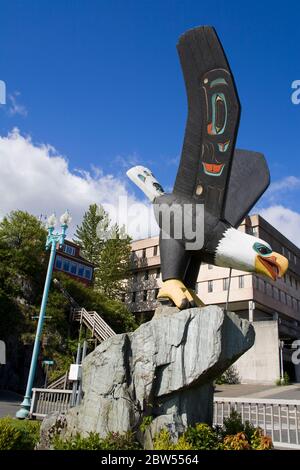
x=212 y=173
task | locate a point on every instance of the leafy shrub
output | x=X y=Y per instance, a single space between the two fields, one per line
x=199 y=437
x=230 y=376
x=234 y=435
x=259 y=441
x=113 y=441
x=202 y=437
x=234 y=425
x=236 y=442
x=18 y=435
x=285 y=381
x=147 y=420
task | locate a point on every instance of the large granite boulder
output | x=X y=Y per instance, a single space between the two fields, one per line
x=164 y=369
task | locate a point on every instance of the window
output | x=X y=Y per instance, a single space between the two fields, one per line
x=133 y=296
x=157 y=273
x=210 y=266
x=70 y=250
x=155 y=250
x=80 y=270
x=295 y=259
x=58 y=262
x=241 y=282
x=144 y=253
x=145 y=295
x=264 y=287
x=73 y=268
x=66 y=265
x=225 y=283
x=275 y=293
x=88 y=273
x=294 y=304
x=146 y=276
x=210 y=286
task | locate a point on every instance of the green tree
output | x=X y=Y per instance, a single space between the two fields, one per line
x=95 y=222
x=114 y=264
x=23 y=259
x=108 y=248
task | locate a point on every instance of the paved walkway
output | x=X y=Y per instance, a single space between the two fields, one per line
x=287 y=392
x=9 y=403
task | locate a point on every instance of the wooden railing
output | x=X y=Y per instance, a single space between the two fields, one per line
x=95 y=323
x=279 y=419
x=60 y=383
x=47 y=400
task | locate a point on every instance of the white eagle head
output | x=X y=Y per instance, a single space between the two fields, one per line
x=244 y=252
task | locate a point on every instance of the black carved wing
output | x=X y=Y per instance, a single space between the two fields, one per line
x=212 y=122
x=249 y=178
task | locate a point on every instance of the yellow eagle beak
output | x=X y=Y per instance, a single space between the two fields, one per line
x=272 y=266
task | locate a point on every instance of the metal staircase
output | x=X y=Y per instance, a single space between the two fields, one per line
x=94 y=322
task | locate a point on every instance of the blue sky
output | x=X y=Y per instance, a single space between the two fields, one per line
x=100 y=81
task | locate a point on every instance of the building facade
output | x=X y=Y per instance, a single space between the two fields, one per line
x=273 y=307
x=69 y=261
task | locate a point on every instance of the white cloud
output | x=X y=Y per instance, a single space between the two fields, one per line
x=15 y=107
x=37 y=179
x=285 y=220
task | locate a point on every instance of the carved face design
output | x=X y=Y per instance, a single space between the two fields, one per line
x=220 y=121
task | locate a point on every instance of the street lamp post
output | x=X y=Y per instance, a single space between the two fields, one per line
x=53 y=239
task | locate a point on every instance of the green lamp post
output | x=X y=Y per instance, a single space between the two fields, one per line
x=53 y=239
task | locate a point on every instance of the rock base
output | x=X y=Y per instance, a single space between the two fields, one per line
x=164 y=369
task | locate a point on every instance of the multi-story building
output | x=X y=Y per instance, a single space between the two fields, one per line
x=272 y=306
x=69 y=260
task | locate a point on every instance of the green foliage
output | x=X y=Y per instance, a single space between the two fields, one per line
x=147 y=420
x=234 y=425
x=23 y=260
x=108 y=248
x=285 y=381
x=113 y=441
x=202 y=437
x=112 y=311
x=114 y=265
x=198 y=437
x=233 y=436
x=259 y=441
x=230 y=376
x=88 y=235
x=18 y=435
x=162 y=441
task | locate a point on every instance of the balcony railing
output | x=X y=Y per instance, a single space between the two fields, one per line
x=279 y=419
